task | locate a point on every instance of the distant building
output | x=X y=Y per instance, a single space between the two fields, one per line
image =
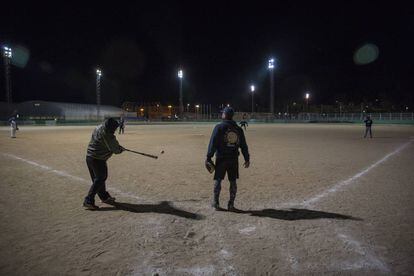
x=33 y=110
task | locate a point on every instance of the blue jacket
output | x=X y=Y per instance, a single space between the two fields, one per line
x=226 y=140
x=368 y=122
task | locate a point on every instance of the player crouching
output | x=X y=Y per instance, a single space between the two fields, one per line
x=101 y=147
x=225 y=142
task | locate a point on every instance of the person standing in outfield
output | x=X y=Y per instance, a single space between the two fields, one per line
x=368 y=124
x=244 y=123
x=13 y=127
x=101 y=147
x=121 y=125
x=226 y=139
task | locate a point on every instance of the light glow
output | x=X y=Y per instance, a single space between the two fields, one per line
x=271 y=63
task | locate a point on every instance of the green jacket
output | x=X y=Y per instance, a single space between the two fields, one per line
x=103 y=144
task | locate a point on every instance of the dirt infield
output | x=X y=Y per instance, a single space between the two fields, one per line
x=317 y=199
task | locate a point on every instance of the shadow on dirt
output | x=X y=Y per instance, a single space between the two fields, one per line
x=293 y=214
x=163 y=207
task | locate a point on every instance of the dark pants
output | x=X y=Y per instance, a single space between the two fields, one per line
x=217 y=189
x=227 y=165
x=99 y=172
x=368 y=129
x=121 y=129
x=231 y=167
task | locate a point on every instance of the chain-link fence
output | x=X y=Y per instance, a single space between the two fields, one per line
x=307 y=117
x=353 y=117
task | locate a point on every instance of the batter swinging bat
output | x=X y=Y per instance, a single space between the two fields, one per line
x=145 y=154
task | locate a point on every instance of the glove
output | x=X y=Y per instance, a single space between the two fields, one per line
x=209 y=166
x=122 y=148
x=247 y=164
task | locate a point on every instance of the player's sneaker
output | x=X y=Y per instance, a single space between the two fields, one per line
x=90 y=206
x=109 y=200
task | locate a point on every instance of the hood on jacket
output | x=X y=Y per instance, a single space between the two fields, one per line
x=111 y=125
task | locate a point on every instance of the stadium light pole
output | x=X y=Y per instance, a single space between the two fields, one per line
x=252 y=88
x=7 y=54
x=271 y=66
x=180 y=76
x=98 y=93
x=197 y=107
x=307 y=96
x=340 y=108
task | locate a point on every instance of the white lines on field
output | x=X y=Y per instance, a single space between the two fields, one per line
x=350 y=180
x=65 y=174
x=294 y=263
x=226 y=268
x=206 y=270
x=247 y=230
x=225 y=254
x=367 y=259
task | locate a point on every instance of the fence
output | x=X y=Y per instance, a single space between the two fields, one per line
x=393 y=118
x=353 y=117
x=309 y=117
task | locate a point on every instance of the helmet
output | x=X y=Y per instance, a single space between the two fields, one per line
x=228 y=111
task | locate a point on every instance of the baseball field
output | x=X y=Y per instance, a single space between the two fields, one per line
x=317 y=199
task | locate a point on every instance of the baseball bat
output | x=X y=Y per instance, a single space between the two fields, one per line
x=142 y=153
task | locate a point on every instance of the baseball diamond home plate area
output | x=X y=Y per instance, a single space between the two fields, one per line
x=316 y=199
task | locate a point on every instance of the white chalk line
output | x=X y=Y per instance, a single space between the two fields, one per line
x=65 y=174
x=343 y=183
x=247 y=230
x=227 y=269
x=368 y=260
x=369 y=257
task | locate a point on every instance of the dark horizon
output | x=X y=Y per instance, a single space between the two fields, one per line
x=222 y=48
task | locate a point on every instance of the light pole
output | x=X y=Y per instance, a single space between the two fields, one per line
x=340 y=108
x=180 y=76
x=271 y=66
x=252 y=88
x=307 y=96
x=197 y=107
x=98 y=93
x=7 y=54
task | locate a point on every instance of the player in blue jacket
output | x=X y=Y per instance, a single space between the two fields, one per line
x=368 y=125
x=225 y=142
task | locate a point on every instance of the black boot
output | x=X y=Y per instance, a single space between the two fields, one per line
x=233 y=192
x=230 y=207
x=217 y=189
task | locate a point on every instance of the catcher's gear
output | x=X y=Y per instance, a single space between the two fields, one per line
x=210 y=166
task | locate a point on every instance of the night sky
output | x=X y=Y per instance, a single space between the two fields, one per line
x=222 y=48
